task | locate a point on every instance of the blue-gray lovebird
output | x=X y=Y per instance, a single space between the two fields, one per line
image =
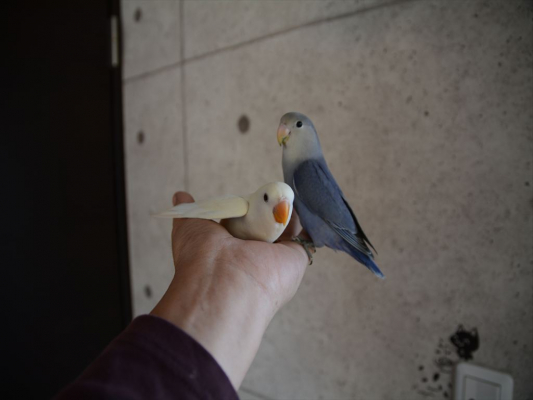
x=324 y=212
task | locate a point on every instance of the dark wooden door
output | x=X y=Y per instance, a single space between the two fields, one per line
x=64 y=267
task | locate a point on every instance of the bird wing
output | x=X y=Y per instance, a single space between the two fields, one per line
x=317 y=189
x=215 y=208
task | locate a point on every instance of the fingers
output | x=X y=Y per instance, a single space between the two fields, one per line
x=300 y=249
x=186 y=224
x=292 y=229
x=303 y=235
x=181 y=197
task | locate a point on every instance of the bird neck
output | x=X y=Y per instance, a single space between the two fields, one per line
x=305 y=150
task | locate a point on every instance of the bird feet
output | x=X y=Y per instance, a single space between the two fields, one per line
x=308 y=246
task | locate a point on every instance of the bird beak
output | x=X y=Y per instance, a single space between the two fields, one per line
x=283 y=134
x=281 y=211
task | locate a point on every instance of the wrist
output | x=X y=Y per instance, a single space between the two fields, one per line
x=223 y=308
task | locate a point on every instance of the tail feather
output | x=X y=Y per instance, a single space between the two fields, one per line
x=363 y=259
x=372 y=266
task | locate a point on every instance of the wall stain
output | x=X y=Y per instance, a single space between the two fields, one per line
x=437 y=379
x=243 y=124
x=465 y=342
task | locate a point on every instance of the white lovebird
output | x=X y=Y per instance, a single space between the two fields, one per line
x=262 y=215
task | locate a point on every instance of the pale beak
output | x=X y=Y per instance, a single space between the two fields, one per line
x=283 y=134
x=281 y=211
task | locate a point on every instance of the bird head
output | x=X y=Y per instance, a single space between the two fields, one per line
x=272 y=203
x=297 y=135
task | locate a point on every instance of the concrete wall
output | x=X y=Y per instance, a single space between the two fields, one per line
x=424 y=110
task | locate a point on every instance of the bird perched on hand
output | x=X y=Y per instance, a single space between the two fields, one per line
x=324 y=212
x=262 y=215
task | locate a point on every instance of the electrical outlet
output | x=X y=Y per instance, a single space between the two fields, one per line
x=473 y=382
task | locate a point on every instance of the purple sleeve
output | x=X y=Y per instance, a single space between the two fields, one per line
x=152 y=359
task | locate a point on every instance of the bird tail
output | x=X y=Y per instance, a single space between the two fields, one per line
x=363 y=259
x=372 y=266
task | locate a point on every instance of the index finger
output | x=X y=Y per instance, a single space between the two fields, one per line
x=180 y=198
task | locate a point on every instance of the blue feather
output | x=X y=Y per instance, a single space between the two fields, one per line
x=363 y=259
x=326 y=215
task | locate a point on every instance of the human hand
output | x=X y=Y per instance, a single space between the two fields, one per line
x=226 y=290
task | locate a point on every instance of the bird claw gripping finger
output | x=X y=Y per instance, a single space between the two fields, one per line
x=308 y=246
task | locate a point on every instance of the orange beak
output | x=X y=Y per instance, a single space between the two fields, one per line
x=281 y=212
x=283 y=134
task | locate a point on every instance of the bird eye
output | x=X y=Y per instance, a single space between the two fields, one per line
x=265 y=197
x=299 y=124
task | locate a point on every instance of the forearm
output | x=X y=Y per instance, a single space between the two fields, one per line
x=224 y=309
x=152 y=359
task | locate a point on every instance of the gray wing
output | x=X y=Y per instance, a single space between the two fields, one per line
x=315 y=186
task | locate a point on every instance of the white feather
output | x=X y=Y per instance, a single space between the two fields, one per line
x=215 y=208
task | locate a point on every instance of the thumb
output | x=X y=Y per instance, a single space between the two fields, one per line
x=181 y=197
